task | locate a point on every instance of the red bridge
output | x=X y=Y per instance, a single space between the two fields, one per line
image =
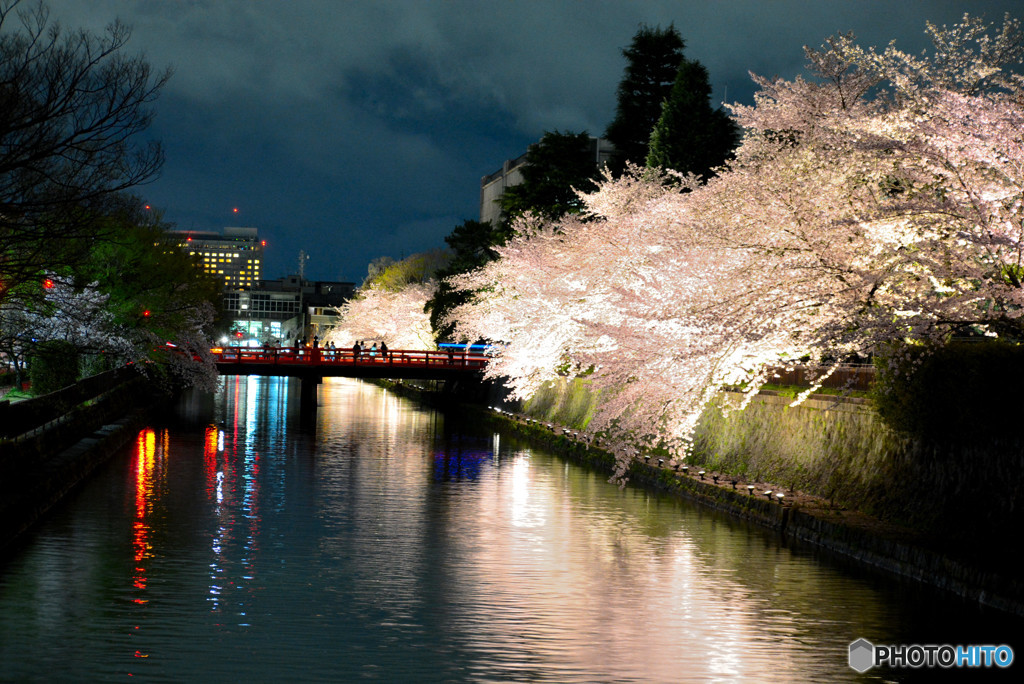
x=309 y=363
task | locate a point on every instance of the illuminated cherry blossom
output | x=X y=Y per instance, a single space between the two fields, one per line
x=395 y=317
x=77 y=315
x=879 y=201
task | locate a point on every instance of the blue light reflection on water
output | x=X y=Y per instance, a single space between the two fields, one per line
x=392 y=543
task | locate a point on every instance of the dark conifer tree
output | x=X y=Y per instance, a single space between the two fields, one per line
x=472 y=245
x=653 y=60
x=690 y=136
x=556 y=167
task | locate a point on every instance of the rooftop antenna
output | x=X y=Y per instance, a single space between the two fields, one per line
x=303 y=258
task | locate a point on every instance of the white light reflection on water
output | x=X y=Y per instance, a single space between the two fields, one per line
x=392 y=543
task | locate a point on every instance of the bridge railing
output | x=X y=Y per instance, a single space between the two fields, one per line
x=308 y=356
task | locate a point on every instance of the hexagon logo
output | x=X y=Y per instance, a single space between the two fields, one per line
x=862 y=655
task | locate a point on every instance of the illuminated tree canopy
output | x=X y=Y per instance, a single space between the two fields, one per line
x=879 y=200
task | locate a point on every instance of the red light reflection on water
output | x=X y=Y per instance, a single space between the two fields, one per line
x=210 y=440
x=148 y=457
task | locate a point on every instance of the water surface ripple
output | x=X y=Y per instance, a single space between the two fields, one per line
x=390 y=542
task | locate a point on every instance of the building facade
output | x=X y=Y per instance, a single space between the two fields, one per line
x=493 y=185
x=234 y=257
x=261 y=312
x=278 y=312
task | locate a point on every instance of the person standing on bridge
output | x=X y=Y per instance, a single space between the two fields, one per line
x=355 y=351
x=384 y=351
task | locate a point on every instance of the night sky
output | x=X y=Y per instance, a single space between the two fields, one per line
x=357 y=129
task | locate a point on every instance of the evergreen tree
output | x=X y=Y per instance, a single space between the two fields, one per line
x=153 y=287
x=472 y=244
x=690 y=136
x=653 y=58
x=556 y=167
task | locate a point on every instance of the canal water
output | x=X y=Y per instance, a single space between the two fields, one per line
x=389 y=542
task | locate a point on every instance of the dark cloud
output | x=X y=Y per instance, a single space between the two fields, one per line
x=360 y=128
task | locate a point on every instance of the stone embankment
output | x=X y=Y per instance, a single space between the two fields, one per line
x=799 y=517
x=51 y=444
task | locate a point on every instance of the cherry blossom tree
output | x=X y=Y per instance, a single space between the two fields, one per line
x=76 y=316
x=81 y=317
x=878 y=201
x=395 y=317
x=187 y=359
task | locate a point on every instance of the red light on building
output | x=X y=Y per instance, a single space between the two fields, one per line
x=48 y=283
x=145 y=314
x=263 y=243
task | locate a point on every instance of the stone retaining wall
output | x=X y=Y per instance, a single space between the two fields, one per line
x=855 y=536
x=38 y=470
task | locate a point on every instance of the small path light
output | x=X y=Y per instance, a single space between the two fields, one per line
x=686 y=470
x=750 y=489
x=779 y=497
x=768 y=494
x=715 y=478
x=647 y=458
x=701 y=473
x=734 y=483
x=661 y=462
